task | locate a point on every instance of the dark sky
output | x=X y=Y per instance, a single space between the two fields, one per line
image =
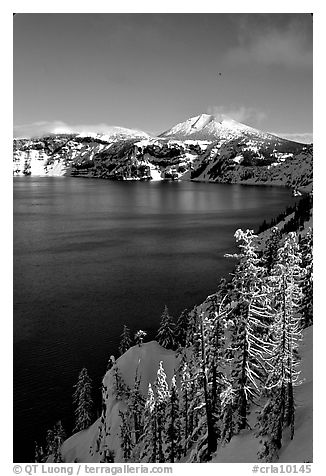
x=150 y=71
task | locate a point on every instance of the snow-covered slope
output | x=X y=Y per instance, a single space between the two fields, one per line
x=227 y=165
x=116 y=133
x=208 y=127
x=88 y=445
x=243 y=447
x=201 y=148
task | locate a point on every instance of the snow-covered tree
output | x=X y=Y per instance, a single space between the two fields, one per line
x=108 y=456
x=136 y=403
x=39 y=456
x=161 y=400
x=149 y=444
x=186 y=398
x=306 y=248
x=111 y=363
x=54 y=439
x=216 y=320
x=227 y=408
x=126 y=436
x=173 y=425
x=82 y=399
x=282 y=354
x=125 y=342
x=139 y=337
x=252 y=314
x=202 y=435
x=166 y=333
x=121 y=390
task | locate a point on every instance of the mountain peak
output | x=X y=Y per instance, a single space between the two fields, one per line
x=211 y=128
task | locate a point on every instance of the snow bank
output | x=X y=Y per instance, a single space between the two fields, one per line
x=143 y=360
x=243 y=447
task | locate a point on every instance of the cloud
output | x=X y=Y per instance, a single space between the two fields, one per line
x=303 y=137
x=248 y=115
x=288 y=45
x=40 y=128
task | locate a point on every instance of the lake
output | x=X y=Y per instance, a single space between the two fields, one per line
x=91 y=255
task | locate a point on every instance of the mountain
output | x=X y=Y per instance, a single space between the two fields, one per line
x=239 y=162
x=116 y=133
x=207 y=127
x=201 y=148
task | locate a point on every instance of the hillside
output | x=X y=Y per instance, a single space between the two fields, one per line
x=209 y=128
x=201 y=148
x=89 y=445
x=243 y=447
x=234 y=164
x=208 y=344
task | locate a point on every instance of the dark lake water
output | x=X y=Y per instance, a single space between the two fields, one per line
x=91 y=255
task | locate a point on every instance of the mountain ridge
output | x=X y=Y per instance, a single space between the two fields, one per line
x=205 y=127
x=200 y=148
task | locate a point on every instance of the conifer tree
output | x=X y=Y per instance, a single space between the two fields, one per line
x=227 y=409
x=121 y=390
x=136 y=403
x=59 y=438
x=211 y=437
x=186 y=415
x=202 y=435
x=125 y=436
x=162 y=396
x=39 y=456
x=125 y=342
x=271 y=249
x=139 y=337
x=173 y=430
x=82 y=399
x=108 y=456
x=282 y=355
x=149 y=442
x=166 y=333
x=215 y=350
x=54 y=439
x=251 y=323
x=111 y=363
x=181 y=328
x=306 y=248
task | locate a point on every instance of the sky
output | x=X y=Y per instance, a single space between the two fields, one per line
x=87 y=72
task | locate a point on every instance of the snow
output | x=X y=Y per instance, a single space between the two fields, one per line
x=143 y=360
x=206 y=126
x=237 y=159
x=243 y=447
x=155 y=174
x=112 y=132
x=295 y=172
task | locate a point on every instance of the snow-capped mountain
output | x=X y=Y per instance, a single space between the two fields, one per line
x=115 y=133
x=202 y=148
x=208 y=127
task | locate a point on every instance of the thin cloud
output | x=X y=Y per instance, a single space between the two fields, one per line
x=41 y=128
x=248 y=115
x=302 y=137
x=289 y=46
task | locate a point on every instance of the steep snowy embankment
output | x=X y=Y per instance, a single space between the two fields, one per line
x=143 y=361
x=243 y=447
x=228 y=166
